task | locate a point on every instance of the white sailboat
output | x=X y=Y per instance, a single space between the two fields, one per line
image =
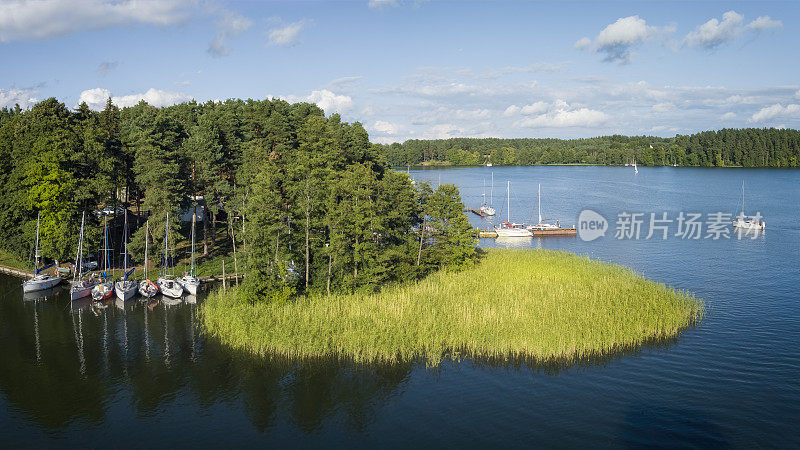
x=190 y=281
x=635 y=168
x=43 y=281
x=509 y=229
x=81 y=287
x=125 y=288
x=167 y=284
x=486 y=209
x=147 y=288
x=105 y=288
x=541 y=225
x=748 y=223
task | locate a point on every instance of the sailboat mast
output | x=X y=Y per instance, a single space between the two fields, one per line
x=508 y=200
x=540 y=203
x=146 y=238
x=166 y=236
x=36 y=252
x=194 y=221
x=125 y=255
x=79 y=253
x=491 y=190
x=742 y=198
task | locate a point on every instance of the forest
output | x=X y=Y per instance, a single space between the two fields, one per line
x=749 y=147
x=309 y=203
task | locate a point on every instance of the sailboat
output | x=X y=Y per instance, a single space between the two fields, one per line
x=190 y=281
x=125 y=288
x=635 y=168
x=509 y=229
x=545 y=228
x=147 y=288
x=43 y=281
x=167 y=283
x=486 y=209
x=105 y=288
x=748 y=224
x=81 y=287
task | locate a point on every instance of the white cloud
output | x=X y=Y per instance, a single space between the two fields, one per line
x=527 y=110
x=583 y=43
x=325 y=99
x=287 y=34
x=96 y=98
x=42 y=19
x=384 y=127
x=797 y=94
x=25 y=98
x=715 y=33
x=561 y=115
x=379 y=4
x=663 y=107
x=617 y=39
x=728 y=116
x=230 y=26
x=763 y=23
x=776 y=110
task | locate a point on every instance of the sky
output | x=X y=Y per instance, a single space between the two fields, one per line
x=413 y=69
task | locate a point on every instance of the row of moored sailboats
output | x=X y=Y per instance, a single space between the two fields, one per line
x=100 y=285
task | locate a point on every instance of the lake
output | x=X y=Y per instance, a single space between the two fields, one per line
x=138 y=375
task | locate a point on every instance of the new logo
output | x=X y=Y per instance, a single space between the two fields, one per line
x=591 y=225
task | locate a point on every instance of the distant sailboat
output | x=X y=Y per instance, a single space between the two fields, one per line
x=190 y=281
x=635 y=168
x=748 y=224
x=541 y=225
x=486 y=209
x=147 y=288
x=125 y=288
x=43 y=281
x=167 y=284
x=81 y=287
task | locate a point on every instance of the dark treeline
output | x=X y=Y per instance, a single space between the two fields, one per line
x=310 y=203
x=749 y=147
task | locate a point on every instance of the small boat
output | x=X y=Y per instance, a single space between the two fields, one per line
x=545 y=228
x=40 y=281
x=508 y=228
x=167 y=283
x=81 y=287
x=147 y=288
x=190 y=281
x=748 y=223
x=486 y=209
x=105 y=288
x=125 y=288
x=635 y=168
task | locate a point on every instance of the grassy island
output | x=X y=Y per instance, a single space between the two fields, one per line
x=515 y=303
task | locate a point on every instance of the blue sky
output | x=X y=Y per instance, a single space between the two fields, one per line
x=423 y=69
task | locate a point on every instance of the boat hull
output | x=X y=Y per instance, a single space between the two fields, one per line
x=555 y=232
x=79 y=291
x=513 y=232
x=125 y=289
x=40 y=283
x=103 y=291
x=170 y=288
x=148 y=289
x=190 y=284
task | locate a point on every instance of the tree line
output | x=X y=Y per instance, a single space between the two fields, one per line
x=310 y=203
x=748 y=147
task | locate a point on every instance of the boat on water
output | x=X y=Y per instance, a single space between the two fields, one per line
x=635 y=168
x=508 y=228
x=167 y=283
x=748 y=223
x=81 y=286
x=125 y=288
x=545 y=227
x=190 y=281
x=147 y=288
x=486 y=208
x=40 y=281
x=105 y=288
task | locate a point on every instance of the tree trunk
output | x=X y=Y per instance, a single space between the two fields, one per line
x=213 y=228
x=308 y=226
x=330 y=266
x=355 y=261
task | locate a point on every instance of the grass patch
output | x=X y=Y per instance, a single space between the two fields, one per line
x=10 y=259
x=531 y=304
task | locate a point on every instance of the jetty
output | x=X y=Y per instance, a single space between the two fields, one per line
x=567 y=231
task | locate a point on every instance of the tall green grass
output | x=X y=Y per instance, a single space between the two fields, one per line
x=532 y=304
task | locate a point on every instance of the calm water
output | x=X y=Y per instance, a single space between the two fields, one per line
x=139 y=375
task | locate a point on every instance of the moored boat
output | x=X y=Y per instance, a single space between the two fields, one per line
x=167 y=283
x=40 y=281
x=105 y=288
x=190 y=281
x=81 y=287
x=125 y=288
x=147 y=288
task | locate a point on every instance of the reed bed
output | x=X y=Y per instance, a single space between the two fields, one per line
x=531 y=304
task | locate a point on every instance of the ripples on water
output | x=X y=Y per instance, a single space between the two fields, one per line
x=76 y=376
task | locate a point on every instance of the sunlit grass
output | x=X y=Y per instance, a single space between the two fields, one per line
x=514 y=304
